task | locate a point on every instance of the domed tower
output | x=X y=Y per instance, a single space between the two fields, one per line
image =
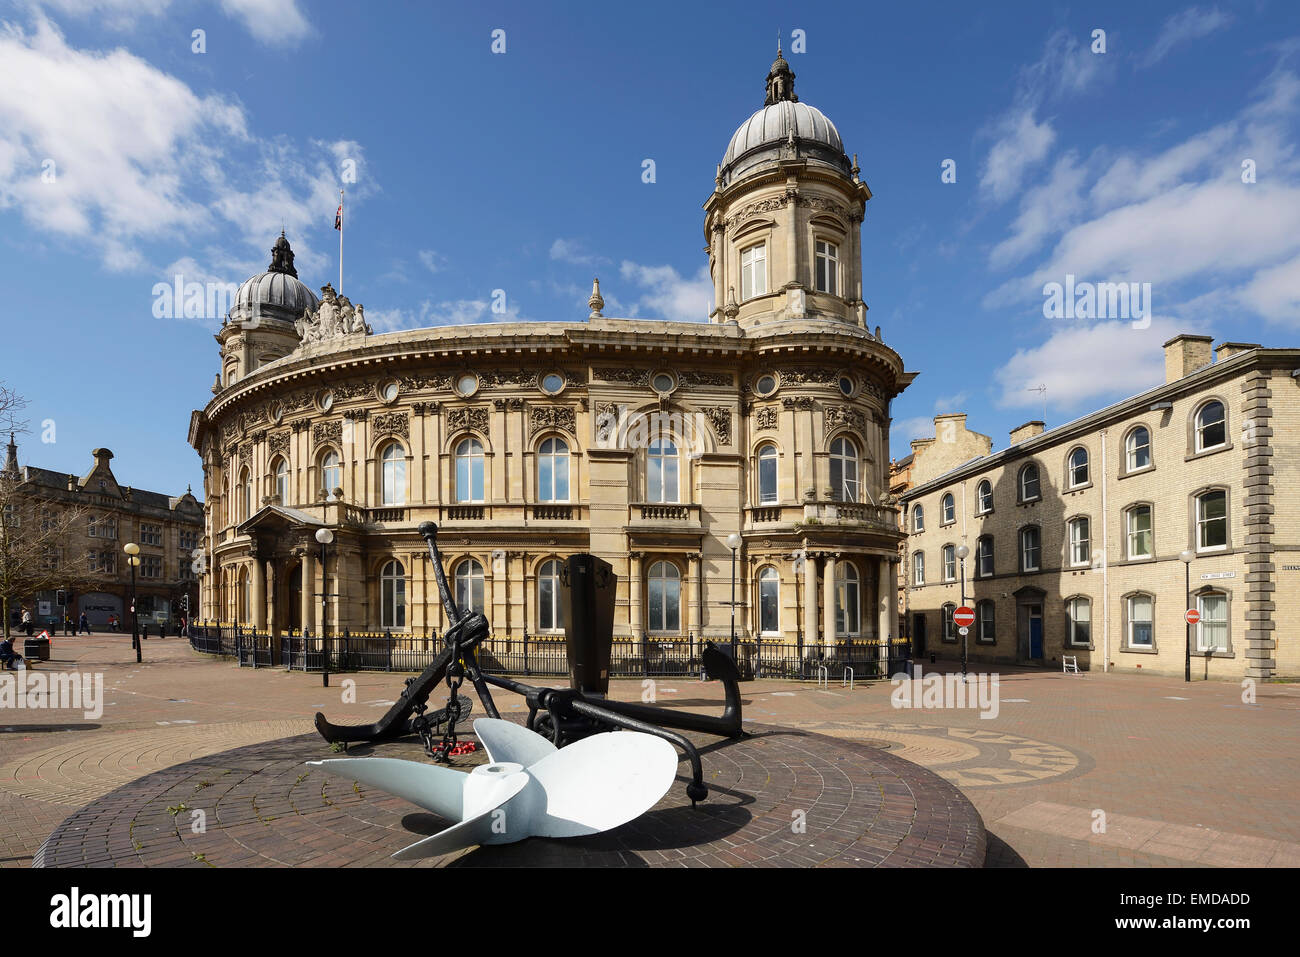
x=260 y=325
x=784 y=221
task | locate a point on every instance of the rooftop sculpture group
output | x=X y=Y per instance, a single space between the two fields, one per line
x=334 y=318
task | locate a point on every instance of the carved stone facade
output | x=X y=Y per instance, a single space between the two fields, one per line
x=640 y=441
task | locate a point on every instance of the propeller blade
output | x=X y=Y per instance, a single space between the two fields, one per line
x=507 y=741
x=600 y=782
x=492 y=826
x=437 y=789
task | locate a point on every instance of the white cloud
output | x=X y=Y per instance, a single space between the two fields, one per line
x=1088 y=363
x=916 y=427
x=1274 y=293
x=571 y=251
x=1022 y=143
x=273 y=22
x=1190 y=24
x=669 y=295
x=448 y=312
x=432 y=260
x=1045 y=210
x=1066 y=68
x=124 y=140
x=276 y=23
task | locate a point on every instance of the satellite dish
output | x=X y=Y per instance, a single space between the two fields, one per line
x=528 y=788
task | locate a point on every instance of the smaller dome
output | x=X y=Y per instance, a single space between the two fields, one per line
x=276 y=293
x=762 y=136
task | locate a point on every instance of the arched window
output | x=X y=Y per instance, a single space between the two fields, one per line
x=844 y=470
x=1078 y=621
x=984 y=557
x=550 y=614
x=949 y=563
x=1031 y=547
x=984 y=497
x=661 y=476
x=469 y=586
x=947 y=509
x=331 y=472
x=246 y=493
x=767 y=474
x=392 y=474
x=918 y=568
x=1211 y=520
x=1137 y=529
x=1078 y=467
x=1137 y=450
x=918 y=519
x=984 y=631
x=1212 y=629
x=1029 y=484
x=281 y=469
x=949 y=629
x=1211 y=426
x=769 y=601
x=664 y=608
x=1079 y=530
x=392 y=595
x=553 y=471
x=848 y=607
x=469 y=470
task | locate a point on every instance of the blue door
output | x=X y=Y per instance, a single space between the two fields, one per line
x=1036 y=631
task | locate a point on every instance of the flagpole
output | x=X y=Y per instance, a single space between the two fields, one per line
x=340 y=242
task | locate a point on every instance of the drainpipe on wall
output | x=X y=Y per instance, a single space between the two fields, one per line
x=1105 y=560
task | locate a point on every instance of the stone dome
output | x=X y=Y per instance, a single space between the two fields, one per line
x=276 y=293
x=767 y=135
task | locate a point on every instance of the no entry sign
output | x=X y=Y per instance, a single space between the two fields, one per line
x=964 y=617
x=1193 y=616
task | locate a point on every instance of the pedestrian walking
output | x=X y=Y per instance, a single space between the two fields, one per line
x=83 y=624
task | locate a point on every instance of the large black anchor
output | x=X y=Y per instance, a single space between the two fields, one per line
x=563 y=715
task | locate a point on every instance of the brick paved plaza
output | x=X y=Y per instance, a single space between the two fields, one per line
x=1184 y=775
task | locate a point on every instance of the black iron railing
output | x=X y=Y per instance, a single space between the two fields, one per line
x=647 y=656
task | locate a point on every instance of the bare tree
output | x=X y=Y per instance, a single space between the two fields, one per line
x=40 y=536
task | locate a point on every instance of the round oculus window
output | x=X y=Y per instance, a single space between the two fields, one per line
x=326 y=401
x=467 y=383
x=766 y=385
x=846 y=385
x=663 y=382
x=390 y=391
x=552 y=382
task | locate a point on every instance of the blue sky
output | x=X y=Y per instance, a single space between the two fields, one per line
x=522 y=171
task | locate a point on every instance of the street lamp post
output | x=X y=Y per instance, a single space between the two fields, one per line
x=1187 y=555
x=962 y=552
x=133 y=559
x=733 y=542
x=324 y=536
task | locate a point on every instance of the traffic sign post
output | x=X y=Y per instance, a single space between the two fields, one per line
x=1192 y=616
x=964 y=617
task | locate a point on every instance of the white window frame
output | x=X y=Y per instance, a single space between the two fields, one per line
x=753 y=271
x=949 y=563
x=554 y=452
x=471 y=481
x=1130 y=532
x=1200 y=425
x=663 y=472
x=469 y=583
x=1202 y=523
x=845 y=458
x=659 y=579
x=1038 y=549
x=827 y=267
x=918 y=568
x=392 y=595
x=769 y=589
x=768 y=474
x=549 y=605
x=984 y=503
x=1132 y=448
x=1079 y=534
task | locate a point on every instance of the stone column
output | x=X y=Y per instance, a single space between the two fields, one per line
x=689 y=601
x=307 y=601
x=810 y=630
x=886 y=604
x=636 y=619
x=828 y=599
x=258 y=584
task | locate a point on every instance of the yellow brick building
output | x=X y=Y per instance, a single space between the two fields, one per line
x=1077 y=536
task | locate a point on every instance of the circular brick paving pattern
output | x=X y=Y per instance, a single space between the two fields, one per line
x=778 y=797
